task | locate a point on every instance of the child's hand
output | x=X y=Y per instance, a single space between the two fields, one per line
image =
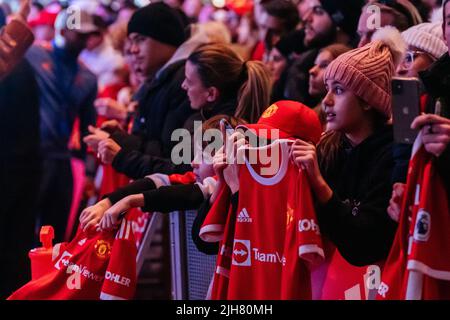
x=435 y=132
x=111 y=218
x=219 y=163
x=92 y=215
x=395 y=204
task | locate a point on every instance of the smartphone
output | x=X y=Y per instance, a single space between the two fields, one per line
x=405 y=108
x=227 y=131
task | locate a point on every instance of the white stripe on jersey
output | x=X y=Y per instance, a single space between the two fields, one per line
x=122 y=227
x=127 y=234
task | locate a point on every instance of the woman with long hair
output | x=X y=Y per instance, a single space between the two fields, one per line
x=219 y=81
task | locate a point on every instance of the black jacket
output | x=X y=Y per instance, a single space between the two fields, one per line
x=172 y=198
x=355 y=219
x=162 y=107
x=19 y=115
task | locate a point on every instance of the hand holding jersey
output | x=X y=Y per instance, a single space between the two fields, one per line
x=417 y=267
x=90 y=217
x=304 y=156
x=271 y=231
x=435 y=132
x=227 y=157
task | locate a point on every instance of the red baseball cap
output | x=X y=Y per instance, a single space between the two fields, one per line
x=291 y=119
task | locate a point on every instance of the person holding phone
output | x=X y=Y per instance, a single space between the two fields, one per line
x=435 y=128
x=425 y=46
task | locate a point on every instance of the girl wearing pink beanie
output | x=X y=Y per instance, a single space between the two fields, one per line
x=350 y=171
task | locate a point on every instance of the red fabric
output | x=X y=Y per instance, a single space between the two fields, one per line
x=111 y=180
x=241 y=7
x=343 y=281
x=79 y=180
x=91 y=266
x=418 y=266
x=44 y=18
x=187 y=178
x=110 y=91
x=219 y=225
x=258 y=52
x=274 y=235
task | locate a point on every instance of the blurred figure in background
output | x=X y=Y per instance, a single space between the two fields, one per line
x=316 y=80
x=100 y=56
x=20 y=166
x=15 y=38
x=192 y=9
x=401 y=14
x=43 y=25
x=325 y=23
x=67 y=90
x=275 y=19
x=425 y=45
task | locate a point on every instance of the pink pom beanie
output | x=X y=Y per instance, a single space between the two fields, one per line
x=367 y=71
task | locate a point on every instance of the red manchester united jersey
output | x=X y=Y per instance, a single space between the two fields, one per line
x=92 y=266
x=418 y=266
x=267 y=245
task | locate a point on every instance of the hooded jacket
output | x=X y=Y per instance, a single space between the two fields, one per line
x=355 y=218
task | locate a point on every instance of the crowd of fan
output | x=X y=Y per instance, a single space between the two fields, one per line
x=106 y=95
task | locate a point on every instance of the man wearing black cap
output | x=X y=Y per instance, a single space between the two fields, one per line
x=326 y=22
x=155 y=32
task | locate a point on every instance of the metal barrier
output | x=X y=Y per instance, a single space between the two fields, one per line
x=192 y=270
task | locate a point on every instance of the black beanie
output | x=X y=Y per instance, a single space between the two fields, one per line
x=160 y=22
x=344 y=13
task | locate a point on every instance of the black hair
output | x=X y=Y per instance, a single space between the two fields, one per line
x=284 y=10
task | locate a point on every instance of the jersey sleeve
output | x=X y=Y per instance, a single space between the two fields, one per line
x=120 y=276
x=214 y=225
x=308 y=237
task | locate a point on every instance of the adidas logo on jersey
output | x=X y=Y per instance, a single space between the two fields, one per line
x=243 y=216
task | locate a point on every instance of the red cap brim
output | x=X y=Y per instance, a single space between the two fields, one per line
x=266 y=131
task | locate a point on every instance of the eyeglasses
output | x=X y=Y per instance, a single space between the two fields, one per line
x=412 y=55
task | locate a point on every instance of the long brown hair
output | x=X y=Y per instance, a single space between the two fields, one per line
x=219 y=66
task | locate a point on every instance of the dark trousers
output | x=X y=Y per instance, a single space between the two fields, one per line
x=19 y=185
x=55 y=196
